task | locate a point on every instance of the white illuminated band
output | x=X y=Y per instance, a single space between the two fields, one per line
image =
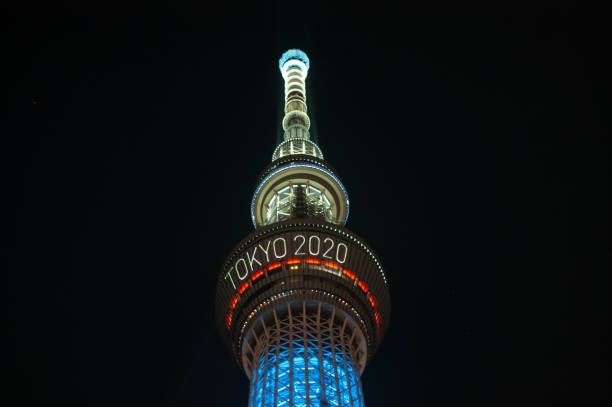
x=303 y=139
x=293 y=165
x=295 y=84
x=301 y=91
x=293 y=115
x=291 y=63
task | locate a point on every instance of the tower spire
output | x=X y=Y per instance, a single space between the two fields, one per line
x=294 y=65
x=298 y=183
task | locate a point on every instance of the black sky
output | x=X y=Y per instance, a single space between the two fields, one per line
x=469 y=141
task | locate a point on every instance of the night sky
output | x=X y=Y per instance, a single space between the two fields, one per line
x=474 y=144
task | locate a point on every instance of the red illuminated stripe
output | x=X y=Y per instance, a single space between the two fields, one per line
x=274 y=265
x=233 y=303
x=243 y=287
x=229 y=320
x=372 y=301
x=349 y=274
x=310 y=260
x=293 y=261
x=377 y=316
x=363 y=286
x=257 y=275
x=331 y=264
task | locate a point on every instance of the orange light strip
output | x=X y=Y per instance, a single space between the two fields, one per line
x=332 y=265
x=349 y=274
x=377 y=316
x=293 y=261
x=363 y=286
x=243 y=287
x=274 y=265
x=310 y=260
x=257 y=275
x=229 y=320
x=372 y=301
x=233 y=303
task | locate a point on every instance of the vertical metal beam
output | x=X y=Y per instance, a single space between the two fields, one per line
x=320 y=340
x=345 y=350
x=264 y=354
x=305 y=334
x=278 y=337
x=291 y=330
x=333 y=349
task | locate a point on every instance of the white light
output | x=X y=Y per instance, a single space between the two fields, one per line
x=292 y=62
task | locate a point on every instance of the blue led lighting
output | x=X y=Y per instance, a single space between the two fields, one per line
x=261 y=184
x=293 y=54
x=306 y=377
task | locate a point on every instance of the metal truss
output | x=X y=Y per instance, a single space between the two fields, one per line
x=306 y=354
x=283 y=203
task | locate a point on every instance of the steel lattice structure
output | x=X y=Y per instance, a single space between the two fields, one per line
x=307 y=355
x=302 y=302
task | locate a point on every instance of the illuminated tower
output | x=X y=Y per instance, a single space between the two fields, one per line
x=302 y=301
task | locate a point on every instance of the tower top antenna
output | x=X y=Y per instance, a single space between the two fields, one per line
x=293 y=54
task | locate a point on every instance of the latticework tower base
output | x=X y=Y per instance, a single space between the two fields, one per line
x=305 y=354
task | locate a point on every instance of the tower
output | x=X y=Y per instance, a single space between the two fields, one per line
x=302 y=301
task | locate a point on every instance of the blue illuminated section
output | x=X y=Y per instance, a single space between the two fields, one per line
x=319 y=376
x=331 y=174
x=293 y=54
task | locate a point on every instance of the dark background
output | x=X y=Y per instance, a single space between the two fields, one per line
x=473 y=143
